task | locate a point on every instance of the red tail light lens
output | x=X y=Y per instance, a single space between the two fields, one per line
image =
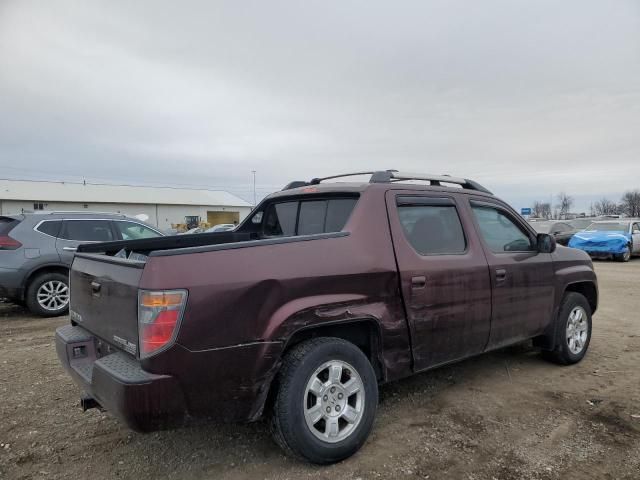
x=8 y=243
x=159 y=316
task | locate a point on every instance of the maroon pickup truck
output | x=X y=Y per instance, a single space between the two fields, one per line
x=325 y=291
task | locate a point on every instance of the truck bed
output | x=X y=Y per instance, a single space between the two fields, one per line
x=147 y=245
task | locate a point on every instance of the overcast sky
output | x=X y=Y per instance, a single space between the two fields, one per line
x=526 y=97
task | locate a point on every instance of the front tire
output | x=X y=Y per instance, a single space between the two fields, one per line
x=624 y=257
x=48 y=295
x=326 y=401
x=572 y=330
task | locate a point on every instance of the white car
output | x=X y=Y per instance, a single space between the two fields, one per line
x=222 y=227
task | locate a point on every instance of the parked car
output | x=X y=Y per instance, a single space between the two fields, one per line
x=223 y=227
x=561 y=231
x=617 y=238
x=191 y=231
x=581 y=223
x=36 y=250
x=323 y=292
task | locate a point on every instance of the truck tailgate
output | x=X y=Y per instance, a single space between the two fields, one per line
x=104 y=298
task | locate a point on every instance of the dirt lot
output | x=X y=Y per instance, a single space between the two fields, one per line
x=505 y=415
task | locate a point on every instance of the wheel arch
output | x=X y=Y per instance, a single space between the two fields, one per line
x=587 y=289
x=40 y=269
x=364 y=332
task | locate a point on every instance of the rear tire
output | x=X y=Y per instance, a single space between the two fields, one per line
x=48 y=295
x=572 y=330
x=326 y=401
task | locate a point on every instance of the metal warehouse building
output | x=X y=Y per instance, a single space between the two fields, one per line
x=163 y=205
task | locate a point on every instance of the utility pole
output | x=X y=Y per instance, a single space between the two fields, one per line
x=254 y=188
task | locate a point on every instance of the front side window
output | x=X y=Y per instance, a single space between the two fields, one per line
x=500 y=232
x=87 y=230
x=134 y=231
x=309 y=217
x=433 y=229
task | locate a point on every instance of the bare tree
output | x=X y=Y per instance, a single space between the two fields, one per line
x=541 y=209
x=630 y=203
x=605 y=206
x=565 y=202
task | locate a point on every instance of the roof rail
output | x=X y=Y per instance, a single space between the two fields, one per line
x=74 y=212
x=389 y=176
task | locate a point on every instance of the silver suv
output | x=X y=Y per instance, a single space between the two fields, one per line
x=36 y=251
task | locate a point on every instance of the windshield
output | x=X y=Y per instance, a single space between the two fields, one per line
x=609 y=227
x=541 y=227
x=580 y=223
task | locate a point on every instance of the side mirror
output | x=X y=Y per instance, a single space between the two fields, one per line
x=546 y=243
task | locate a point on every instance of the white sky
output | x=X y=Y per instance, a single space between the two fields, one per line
x=526 y=97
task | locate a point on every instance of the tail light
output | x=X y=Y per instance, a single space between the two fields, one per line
x=8 y=243
x=159 y=316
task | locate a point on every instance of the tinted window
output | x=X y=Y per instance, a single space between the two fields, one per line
x=87 y=230
x=432 y=229
x=308 y=217
x=281 y=219
x=133 y=231
x=6 y=224
x=500 y=232
x=338 y=212
x=312 y=215
x=51 y=227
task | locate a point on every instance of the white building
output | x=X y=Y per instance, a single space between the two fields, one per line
x=163 y=205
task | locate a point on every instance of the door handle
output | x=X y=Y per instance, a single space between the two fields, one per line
x=70 y=249
x=501 y=274
x=418 y=282
x=95 y=289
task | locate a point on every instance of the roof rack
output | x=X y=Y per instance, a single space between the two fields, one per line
x=73 y=212
x=391 y=176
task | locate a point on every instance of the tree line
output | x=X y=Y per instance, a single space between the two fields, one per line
x=628 y=205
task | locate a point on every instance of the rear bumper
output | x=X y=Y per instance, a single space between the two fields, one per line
x=142 y=400
x=11 y=283
x=223 y=384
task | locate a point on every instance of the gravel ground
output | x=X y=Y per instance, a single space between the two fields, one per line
x=505 y=415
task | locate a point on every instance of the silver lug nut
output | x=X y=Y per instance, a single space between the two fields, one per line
x=337 y=408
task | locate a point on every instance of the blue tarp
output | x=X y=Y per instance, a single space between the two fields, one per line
x=612 y=242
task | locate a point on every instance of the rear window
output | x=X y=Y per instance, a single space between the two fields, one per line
x=87 y=230
x=50 y=227
x=6 y=224
x=308 y=217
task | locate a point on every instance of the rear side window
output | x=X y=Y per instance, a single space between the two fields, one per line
x=433 y=229
x=50 y=227
x=7 y=224
x=87 y=230
x=281 y=219
x=500 y=232
x=307 y=217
